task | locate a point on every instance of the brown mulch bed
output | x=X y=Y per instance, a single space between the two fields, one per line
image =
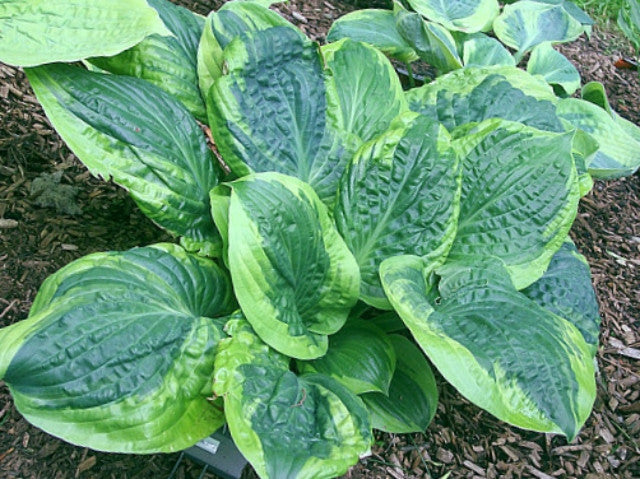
x=37 y=237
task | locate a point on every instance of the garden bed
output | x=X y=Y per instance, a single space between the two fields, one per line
x=41 y=231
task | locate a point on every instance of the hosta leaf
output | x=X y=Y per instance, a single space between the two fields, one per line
x=231 y=20
x=432 y=42
x=566 y=290
x=619 y=139
x=366 y=87
x=584 y=149
x=264 y=3
x=574 y=11
x=480 y=50
x=126 y=129
x=475 y=94
x=360 y=357
x=554 y=67
x=525 y=24
x=168 y=62
x=47 y=31
x=594 y=92
x=117 y=353
x=520 y=196
x=375 y=27
x=400 y=195
x=276 y=74
x=463 y=15
x=287 y=426
x=501 y=350
x=629 y=21
x=293 y=275
x=389 y=322
x=413 y=395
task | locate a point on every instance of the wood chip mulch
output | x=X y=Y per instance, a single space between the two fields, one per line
x=52 y=212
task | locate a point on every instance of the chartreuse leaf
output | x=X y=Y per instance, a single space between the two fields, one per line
x=520 y=195
x=413 y=396
x=360 y=357
x=294 y=277
x=525 y=24
x=463 y=15
x=566 y=290
x=554 y=67
x=475 y=94
x=619 y=139
x=231 y=20
x=431 y=41
x=480 y=50
x=365 y=85
x=275 y=73
x=118 y=351
x=307 y=426
x=375 y=27
x=169 y=62
x=399 y=195
x=502 y=351
x=128 y=130
x=47 y=31
x=594 y=92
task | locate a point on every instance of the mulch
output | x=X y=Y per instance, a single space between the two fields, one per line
x=52 y=212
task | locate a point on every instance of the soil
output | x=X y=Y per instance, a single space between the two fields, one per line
x=40 y=232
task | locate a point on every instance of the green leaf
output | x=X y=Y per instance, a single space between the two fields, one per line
x=413 y=396
x=462 y=15
x=432 y=42
x=526 y=24
x=359 y=75
x=584 y=149
x=554 y=67
x=128 y=130
x=594 y=92
x=389 y=322
x=566 y=290
x=276 y=74
x=118 y=351
x=360 y=357
x=574 y=11
x=168 y=62
x=519 y=198
x=287 y=426
x=293 y=275
x=47 y=31
x=619 y=139
x=501 y=350
x=472 y=95
x=231 y=20
x=480 y=50
x=629 y=21
x=375 y=27
x=264 y=3
x=399 y=195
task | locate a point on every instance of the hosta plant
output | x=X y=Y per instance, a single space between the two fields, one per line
x=340 y=230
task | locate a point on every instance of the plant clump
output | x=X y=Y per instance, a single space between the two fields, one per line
x=355 y=235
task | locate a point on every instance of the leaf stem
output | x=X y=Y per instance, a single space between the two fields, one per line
x=412 y=81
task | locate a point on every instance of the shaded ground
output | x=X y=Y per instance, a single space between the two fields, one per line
x=463 y=441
